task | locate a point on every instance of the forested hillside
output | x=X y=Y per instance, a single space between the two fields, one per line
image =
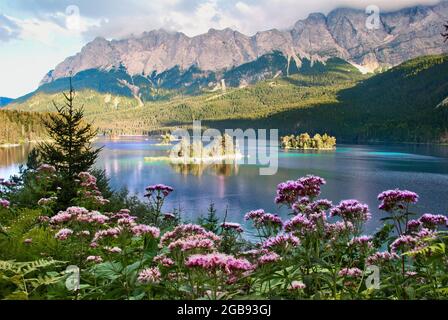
x=407 y=103
x=402 y=104
x=18 y=127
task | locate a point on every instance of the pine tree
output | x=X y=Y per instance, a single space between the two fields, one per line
x=70 y=151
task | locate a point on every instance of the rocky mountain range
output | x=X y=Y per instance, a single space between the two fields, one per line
x=343 y=33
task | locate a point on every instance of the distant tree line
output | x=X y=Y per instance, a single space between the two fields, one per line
x=19 y=127
x=304 y=141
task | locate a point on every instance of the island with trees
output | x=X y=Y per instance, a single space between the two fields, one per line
x=305 y=142
x=222 y=148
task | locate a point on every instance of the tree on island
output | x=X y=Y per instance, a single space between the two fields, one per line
x=304 y=141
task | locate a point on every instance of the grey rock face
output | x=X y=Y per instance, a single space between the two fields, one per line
x=402 y=35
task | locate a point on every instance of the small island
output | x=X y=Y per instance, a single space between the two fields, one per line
x=305 y=142
x=223 y=148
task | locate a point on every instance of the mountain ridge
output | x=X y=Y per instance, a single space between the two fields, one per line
x=331 y=98
x=403 y=35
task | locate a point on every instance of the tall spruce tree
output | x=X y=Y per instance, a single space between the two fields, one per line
x=70 y=150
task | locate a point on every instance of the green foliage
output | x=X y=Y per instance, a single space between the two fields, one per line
x=23 y=280
x=304 y=142
x=19 y=127
x=71 y=152
x=210 y=221
x=335 y=99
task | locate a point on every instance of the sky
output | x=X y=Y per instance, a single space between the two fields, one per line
x=36 y=35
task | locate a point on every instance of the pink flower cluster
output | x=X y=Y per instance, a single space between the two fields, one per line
x=288 y=192
x=95 y=259
x=414 y=225
x=363 y=241
x=337 y=230
x=108 y=233
x=90 y=189
x=4 y=203
x=79 y=214
x=186 y=231
x=47 y=201
x=283 y=241
x=215 y=261
x=300 y=224
x=431 y=221
x=311 y=186
x=297 y=286
x=114 y=250
x=149 y=276
x=164 y=261
x=192 y=243
x=63 y=234
x=269 y=258
x=261 y=218
x=232 y=226
x=396 y=199
x=350 y=273
x=143 y=230
x=7 y=184
x=381 y=258
x=352 y=211
x=404 y=243
x=159 y=188
x=46 y=168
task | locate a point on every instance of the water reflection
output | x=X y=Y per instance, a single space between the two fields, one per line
x=359 y=172
x=218 y=169
x=12 y=157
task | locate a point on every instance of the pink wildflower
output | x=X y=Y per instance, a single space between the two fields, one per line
x=381 y=258
x=226 y=263
x=396 y=199
x=63 y=234
x=142 y=230
x=232 y=226
x=268 y=258
x=4 y=203
x=95 y=259
x=297 y=286
x=164 y=261
x=150 y=276
x=350 y=273
x=282 y=241
x=352 y=211
x=431 y=221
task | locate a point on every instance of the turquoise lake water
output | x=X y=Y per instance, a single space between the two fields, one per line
x=352 y=172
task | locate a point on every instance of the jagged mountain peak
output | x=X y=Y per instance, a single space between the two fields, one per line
x=402 y=35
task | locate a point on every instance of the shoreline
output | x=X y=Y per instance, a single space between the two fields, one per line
x=309 y=149
x=206 y=160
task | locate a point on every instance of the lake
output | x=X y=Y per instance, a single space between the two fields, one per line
x=352 y=171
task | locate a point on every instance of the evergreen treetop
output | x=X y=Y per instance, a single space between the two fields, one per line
x=70 y=150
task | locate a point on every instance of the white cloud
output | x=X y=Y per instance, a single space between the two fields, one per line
x=35 y=35
x=117 y=19
x=8 y=29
